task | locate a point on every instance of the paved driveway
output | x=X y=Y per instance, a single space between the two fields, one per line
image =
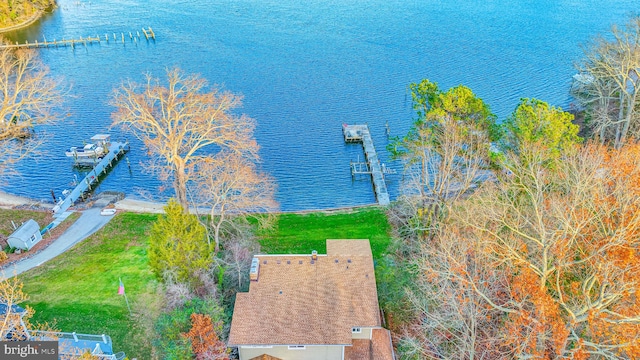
x=89 y=222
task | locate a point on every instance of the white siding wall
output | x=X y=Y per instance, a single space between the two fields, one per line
x=283 y=352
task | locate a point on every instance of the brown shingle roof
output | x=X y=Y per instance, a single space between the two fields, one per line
x=378 y=348
x=297 y=302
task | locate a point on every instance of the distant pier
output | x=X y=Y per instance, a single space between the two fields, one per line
x=116 y=150
x=361 y=134
x=120 y=37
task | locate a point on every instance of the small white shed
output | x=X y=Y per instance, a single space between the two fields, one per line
x=26 y=236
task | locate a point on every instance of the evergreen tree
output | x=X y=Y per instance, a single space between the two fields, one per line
x=178 y=245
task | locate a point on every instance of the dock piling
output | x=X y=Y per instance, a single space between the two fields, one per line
x=116 y=151
x=361 y=134
x=72 y=42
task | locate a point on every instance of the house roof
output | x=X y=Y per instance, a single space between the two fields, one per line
x=297 y=301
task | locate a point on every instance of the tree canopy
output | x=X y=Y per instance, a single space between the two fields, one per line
x=446 y=151
x=14 y=12
x=29 y=98
x=536 y=127
x=181 y=124
x=608 y=83
x=178 y=245
x=231 y=186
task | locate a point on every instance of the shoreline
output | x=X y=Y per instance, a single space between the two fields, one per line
x=9 y=201
x=23 y=24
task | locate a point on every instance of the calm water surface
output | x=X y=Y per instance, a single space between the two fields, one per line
x=305 y=68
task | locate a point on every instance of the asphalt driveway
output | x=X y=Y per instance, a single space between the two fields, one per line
x=89 y=222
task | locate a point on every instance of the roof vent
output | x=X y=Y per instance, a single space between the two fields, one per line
x=314 y=255
x=255 y=269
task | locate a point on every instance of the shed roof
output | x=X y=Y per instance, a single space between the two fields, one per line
x=25 y=230
x=297 y=301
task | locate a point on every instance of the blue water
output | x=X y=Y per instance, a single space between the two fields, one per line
x=305 y=68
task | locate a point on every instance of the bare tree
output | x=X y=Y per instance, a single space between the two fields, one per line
x=29 y=97
x=238 y=252
x=552 y=253
x=451 y=319
x=231 y=186
x=180 y=124
x=609 y=77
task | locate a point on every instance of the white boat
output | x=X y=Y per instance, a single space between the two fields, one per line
x=96 y=149
x=108 y=211
x=87 y=151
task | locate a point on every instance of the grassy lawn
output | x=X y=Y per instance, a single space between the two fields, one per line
x=78 y=290
x=301 y=233
x=19 y=216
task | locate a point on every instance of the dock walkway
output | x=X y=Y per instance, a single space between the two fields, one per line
x=148 y=34
x=361 y=134
x=116 y=150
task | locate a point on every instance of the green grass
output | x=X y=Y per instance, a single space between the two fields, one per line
x=78 y=290
x=19 y=216
x=301 y=233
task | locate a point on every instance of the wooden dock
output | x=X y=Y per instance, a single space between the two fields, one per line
x=115 y=38
x=361 y=134
x=116 y=150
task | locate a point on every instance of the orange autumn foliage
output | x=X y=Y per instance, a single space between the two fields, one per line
x=204 y=341
x=549 y=259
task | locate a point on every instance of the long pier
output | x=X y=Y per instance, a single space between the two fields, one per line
x=361 y=134
x=116 y=150
x=148 y=34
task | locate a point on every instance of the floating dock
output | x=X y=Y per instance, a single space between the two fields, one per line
x=361 y=134
x=148 y=34
x=116 y=150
